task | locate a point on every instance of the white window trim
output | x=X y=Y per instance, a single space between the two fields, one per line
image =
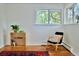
x=62 y=16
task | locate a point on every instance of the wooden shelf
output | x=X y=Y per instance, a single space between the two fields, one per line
x=18 y=38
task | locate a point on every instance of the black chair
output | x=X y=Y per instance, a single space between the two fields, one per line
x=55 y=40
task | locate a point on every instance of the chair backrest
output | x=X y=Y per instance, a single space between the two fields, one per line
x=61 y=34
x=58 y=33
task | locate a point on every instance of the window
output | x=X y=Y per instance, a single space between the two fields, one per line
x=48 y=17
x=73 y=14
x=70 y=16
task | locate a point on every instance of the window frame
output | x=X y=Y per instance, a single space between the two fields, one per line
x=49 y=10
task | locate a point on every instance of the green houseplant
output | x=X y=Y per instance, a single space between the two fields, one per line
x=15 y=28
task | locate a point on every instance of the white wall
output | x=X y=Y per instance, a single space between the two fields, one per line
x=71 y=36
x=1 y=35
x=2 y=18
x=66 y=35
x=24 y=15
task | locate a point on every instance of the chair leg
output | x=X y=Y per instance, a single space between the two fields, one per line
x=48 y=45
x=56 y=48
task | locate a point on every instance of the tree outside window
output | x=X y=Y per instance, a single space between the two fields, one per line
x=48 y=17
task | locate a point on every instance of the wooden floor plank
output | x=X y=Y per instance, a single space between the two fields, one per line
x=61 y=51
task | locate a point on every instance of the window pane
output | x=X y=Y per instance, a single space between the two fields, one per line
x=55 y=17
x=42 y=17
x=70 y=15
x=76 y=13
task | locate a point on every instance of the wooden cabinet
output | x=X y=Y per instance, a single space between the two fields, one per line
x=18 y=38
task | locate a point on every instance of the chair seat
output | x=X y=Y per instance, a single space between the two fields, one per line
x=52 y=42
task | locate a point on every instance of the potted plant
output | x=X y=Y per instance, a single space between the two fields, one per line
x=15 y=28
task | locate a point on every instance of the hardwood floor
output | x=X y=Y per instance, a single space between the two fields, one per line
x=61 y=51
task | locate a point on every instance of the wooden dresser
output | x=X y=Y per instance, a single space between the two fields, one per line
x=18 y=38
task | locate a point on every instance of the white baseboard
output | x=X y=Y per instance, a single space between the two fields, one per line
x=67 y=46
x=35 y=44
x=1 y=48
x=76 y=53
x=70 y=49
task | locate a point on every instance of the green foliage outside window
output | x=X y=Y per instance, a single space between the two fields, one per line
x=48 y=17
x=42 y=17
x=55 y=18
